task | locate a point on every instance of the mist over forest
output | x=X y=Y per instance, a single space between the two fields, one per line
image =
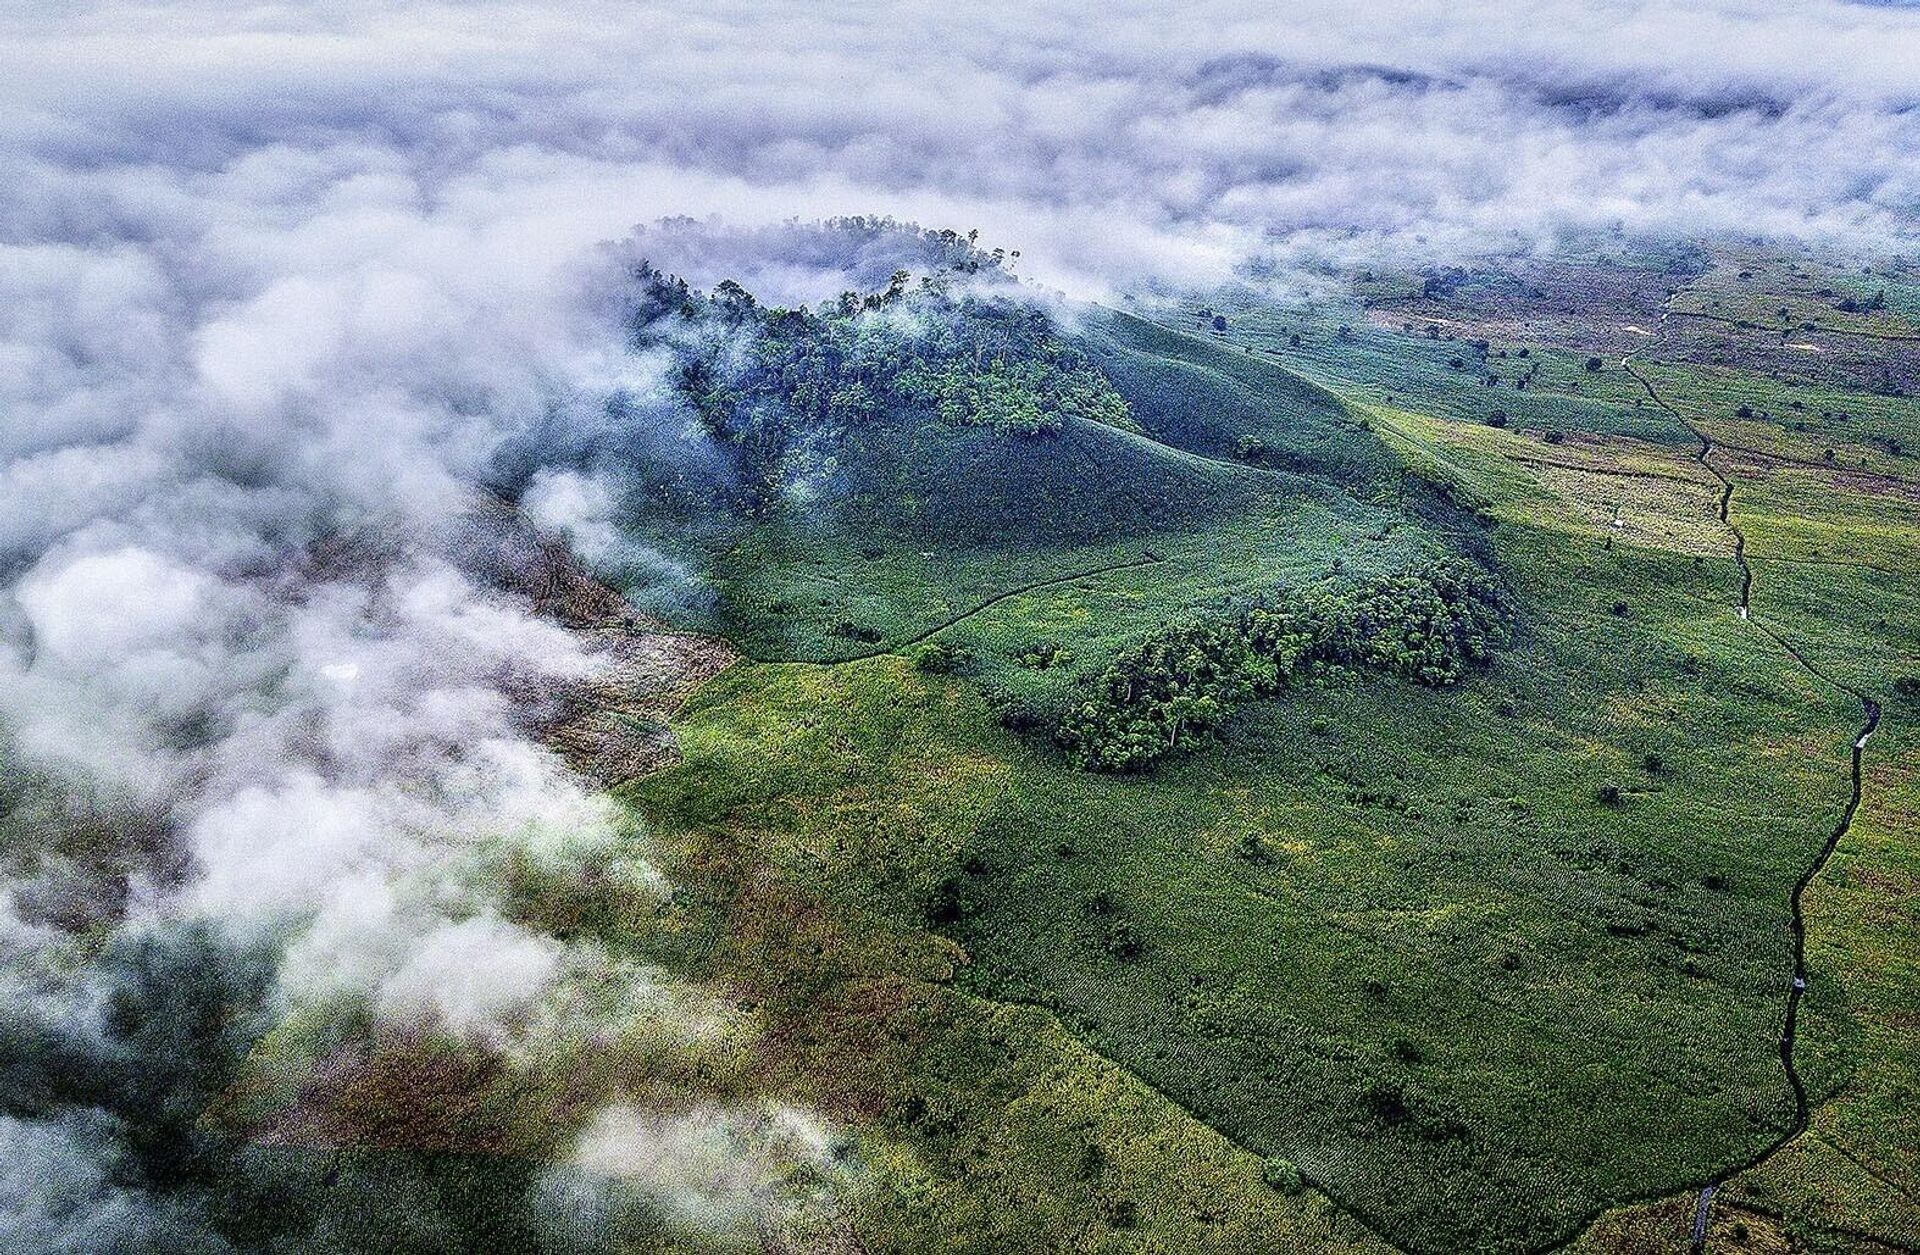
x=408 y=411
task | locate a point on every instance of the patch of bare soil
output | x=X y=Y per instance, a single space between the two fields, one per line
x=612 y=726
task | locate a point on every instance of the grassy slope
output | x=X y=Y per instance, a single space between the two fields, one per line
x=1835 y=571
x=935 y=521
x=846 y=794
x=1465 y=996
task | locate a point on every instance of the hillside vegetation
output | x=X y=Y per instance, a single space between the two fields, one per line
x=1440 y=850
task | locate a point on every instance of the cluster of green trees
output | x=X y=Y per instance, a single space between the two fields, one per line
x=1873 y=304
x=783 y=387
x=1174 y=689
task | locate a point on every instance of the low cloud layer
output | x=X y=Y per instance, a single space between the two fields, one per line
x=278 y=285
x=1106 y=141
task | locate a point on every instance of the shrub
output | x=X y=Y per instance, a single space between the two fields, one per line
x=1387 y=1103
x=1044 y=656
x=847 y=629
x=1122 y=940
x=947 y=904
x=1018 y=715
x=938 y=658
x=1281 y=1176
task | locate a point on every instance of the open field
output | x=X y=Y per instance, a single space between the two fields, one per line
x=1480 y=964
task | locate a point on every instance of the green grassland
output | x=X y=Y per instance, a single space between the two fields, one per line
x=1326 y=972
x=1774 y=293
x=990 y=1126
x=1823 y=492
x=1480 y=963
x=937 y=521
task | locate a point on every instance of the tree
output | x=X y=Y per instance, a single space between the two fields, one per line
x=1281 y=1176
x=937 y=658
x=1173 y=690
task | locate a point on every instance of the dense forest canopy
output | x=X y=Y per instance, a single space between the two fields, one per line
x=781 y=388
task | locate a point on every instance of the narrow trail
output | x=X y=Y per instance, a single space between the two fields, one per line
x=1857 y=470
x=1739 y=324
x=1705 y=458
x=1896 y=337
x=1870 y=709
x=894 y=647
x=1614 y=471
x=1839 y=562
x=1871 y=721
x=1840 y=1149
x=1375 y=1226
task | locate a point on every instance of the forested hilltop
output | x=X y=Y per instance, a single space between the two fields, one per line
x=782 y=389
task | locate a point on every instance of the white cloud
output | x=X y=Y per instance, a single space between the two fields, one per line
x=1106 y=141
x=578 y=506
x=716 y=1167
x=99 y=607
x=278 y=283
x=474 y=975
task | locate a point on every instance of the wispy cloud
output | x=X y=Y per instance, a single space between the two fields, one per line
x=275 y=276
x=1105 y=140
